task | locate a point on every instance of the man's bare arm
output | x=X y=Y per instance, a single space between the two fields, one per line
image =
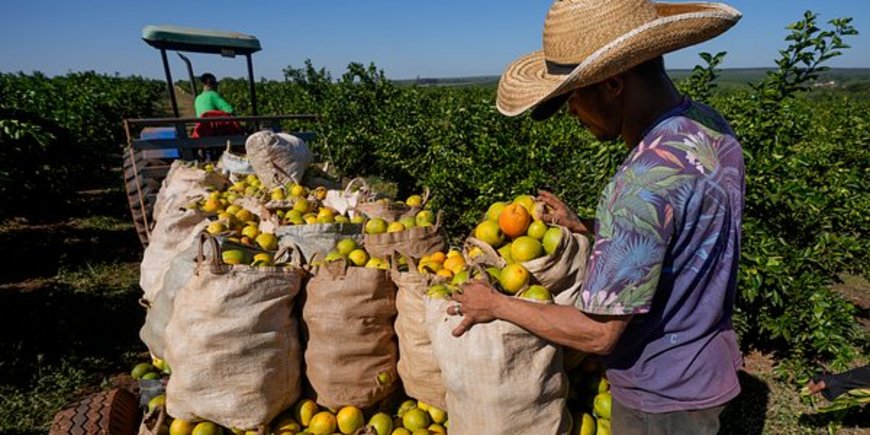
x=564 y=325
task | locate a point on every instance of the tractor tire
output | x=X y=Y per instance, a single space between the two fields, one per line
x=113 y=412
x=142 y=179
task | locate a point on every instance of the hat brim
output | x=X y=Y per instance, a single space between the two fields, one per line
x=526 y=82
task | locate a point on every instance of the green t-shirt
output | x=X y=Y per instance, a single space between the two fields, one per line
x=211 y=100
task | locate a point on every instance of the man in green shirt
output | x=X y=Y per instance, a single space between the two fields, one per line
x=209 y=99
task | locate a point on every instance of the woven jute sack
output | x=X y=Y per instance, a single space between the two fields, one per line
x=233 y=343
x=415 y=242
x=313 y=239
x=177 y=270
x=351 y=352
x=167 y=241
x=500 y=378
x=372 y=207
x=418 y=369
x=561 y=271
x=278 y=158
x=185 y=182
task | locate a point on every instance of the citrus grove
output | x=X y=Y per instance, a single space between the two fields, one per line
x=805 y=225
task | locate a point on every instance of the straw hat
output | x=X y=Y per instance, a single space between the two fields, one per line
x=587 y=41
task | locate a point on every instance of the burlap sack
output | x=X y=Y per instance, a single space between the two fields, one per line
x=561 y=271
x=278 y=158
x=167 y=241
x=417 y=366
x=415 y=242
x=233 y=344
x=313 y=239
x=373 y=207
x=185 y=183
x=178 y=270
x=352 y=352
x=500 y=378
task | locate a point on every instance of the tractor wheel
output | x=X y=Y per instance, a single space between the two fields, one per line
x=142 y=179
x=108 y=412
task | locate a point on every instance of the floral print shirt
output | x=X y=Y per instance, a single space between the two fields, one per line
x=666 y=250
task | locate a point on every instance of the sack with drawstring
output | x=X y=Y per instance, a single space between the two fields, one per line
x=233 y=342
x=351 y=352
x=278 y=158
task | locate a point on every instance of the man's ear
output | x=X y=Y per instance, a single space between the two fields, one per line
x=614 y=86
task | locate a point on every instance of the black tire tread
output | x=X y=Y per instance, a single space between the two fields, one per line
x=142 y=190
x=113 y=412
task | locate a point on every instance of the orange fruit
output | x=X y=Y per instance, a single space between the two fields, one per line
x=551 y=240
x=350 y=419
x=527 y=201
x=395 y=227
x=415 y=419
x=514 y=220
x=513 y=277
x=455 y=263
x=207 y=428
x=602 y=404
x=537 y=229
x=323 y=423
x=382 y=423
x=494 y=210
x=489 y=232
x=181 y=427
x=304 y=411
x=526 y=248
x=438 y=257
x=376 y=226
x=538 y=293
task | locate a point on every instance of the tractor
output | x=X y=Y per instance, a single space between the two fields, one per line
x=152 y=144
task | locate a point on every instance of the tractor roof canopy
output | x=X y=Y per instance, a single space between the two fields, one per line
x=178 y=38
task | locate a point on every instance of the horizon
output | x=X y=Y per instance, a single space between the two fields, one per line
x=448 y=39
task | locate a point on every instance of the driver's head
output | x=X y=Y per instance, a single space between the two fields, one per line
x=208 y=80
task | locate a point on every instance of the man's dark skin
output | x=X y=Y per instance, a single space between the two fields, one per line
x=623 y=106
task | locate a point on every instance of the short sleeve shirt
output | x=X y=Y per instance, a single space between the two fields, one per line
x=666 y=251
x=210 y=100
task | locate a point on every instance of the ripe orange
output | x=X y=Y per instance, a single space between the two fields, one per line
x=514 y=220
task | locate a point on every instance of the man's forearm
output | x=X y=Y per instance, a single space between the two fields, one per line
x=563 y=325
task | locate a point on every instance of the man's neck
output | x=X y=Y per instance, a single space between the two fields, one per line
x=647 y=105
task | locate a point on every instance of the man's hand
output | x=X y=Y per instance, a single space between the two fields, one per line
x=477 y=303
x=558 y=213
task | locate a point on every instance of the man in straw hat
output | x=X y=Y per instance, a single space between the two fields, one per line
x=660 y=285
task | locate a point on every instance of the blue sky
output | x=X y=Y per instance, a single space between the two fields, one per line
x=435 y=38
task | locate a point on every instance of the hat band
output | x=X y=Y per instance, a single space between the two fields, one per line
x=560 y=69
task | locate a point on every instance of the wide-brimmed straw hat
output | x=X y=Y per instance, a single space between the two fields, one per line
x=588 y=41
